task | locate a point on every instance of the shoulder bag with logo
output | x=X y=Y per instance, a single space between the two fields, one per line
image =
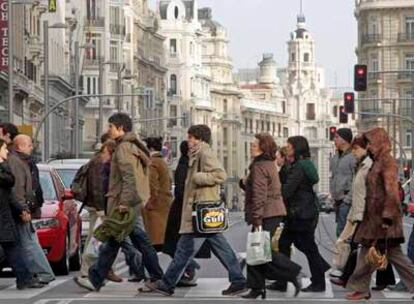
x=209 y=216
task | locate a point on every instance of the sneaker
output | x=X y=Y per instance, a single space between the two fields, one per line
x=111 y=276
x=85 y=283
x=156 y=287
x=235 y=289
x=31 y=284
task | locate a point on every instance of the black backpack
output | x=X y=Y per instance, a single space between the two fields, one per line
x=79 y=185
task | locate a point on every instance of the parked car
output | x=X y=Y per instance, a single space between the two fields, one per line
x=59 y=228
x=410 y=209
x=66 y=169
x=326 y=202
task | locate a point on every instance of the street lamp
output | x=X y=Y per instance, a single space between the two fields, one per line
x=46 y=28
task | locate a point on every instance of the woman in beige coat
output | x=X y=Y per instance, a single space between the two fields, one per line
x=155 y=212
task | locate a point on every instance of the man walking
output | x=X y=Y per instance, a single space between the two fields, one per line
x=203 y=180
x=29 y=195
x=128 y=187
x=342 y=170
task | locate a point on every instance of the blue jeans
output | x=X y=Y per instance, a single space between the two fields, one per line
x=341 y=215
x=133 y=259
x=187 y=248
x=109 y=250
x=15 y=258
x=33 y=253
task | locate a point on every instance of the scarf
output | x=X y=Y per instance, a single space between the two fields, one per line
x=193 y=150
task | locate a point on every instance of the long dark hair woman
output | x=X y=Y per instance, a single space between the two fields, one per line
x=264 y=208
x=302 y=211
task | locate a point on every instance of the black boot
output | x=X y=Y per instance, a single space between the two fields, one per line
x=255 y=293
x=278 y=286
x=297 y=282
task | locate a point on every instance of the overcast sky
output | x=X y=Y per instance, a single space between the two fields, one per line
x=261 y=26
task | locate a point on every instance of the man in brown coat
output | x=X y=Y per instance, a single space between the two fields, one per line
x=128 y=187
x=382 y=224
x=205 y=175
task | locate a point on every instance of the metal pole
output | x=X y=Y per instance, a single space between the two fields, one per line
x=412 y=140
x=10 y=59
x=132 y=108
x=101 y=74
x=46 y=87
x=394 y=131
x=119 y=88
x=77 y=58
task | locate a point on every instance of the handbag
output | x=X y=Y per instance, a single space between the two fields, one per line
x=258 y=250
x=375 y=258
x=209 y=216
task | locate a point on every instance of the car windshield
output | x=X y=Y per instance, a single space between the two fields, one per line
x=48 y=188
x=67 y=176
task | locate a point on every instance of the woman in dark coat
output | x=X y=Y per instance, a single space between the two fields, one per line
x=264 y=208
x=174 y=218
x=302 y=211
x=382 y=224
x=8 y=233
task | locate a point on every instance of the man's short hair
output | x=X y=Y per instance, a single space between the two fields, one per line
x=9 y=128
x=200 y=132
x=121 y=120
x=105 y=137
x=154 y=143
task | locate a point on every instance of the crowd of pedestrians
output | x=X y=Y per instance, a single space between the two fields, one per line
x=132 y=209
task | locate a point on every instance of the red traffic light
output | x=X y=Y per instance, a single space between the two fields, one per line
x=343 y=116
x=349 y=102
x=360 y=77
x=361 y=72
x=332 y=132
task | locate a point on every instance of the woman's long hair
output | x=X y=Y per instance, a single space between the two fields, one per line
x=301 y=146
x=267 y=144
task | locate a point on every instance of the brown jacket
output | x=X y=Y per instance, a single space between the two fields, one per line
x=263 y=192
x=23 y=179
x=156 y=211
x=383 y=202
x=129 y=179
x=202 y=185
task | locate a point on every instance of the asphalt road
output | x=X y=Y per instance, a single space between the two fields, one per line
x=213 y=278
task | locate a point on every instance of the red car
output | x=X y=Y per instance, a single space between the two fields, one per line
x=410 y=209
x=59 y=228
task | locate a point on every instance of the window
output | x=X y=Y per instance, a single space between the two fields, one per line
x=310 y=111
x=263 y=125
x=246 y=148
x=47 y=185
x=409 y=27
x=257 y=126
x=91 y=85
x=173 y=84
x=93 y=9
x=273 y=128
x=306 y=57
x=173 y=113
x=285 y=132
x=246 y=124
x=283 y=107
x=113 y=53
x=279 y=129
x=225 y=109
x=226 y=163
x=225 y=135
x=335 y=111
x=408 y=138
x=409 y=61
x=251 y=125
x=268 y=126
x=176 y=12
x=311 y=133
x=191 y=48
x=293 y=57
x=173 y=47
x=374 y=63
x=96 y=51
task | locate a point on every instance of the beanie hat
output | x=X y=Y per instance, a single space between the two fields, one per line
x=345 y=133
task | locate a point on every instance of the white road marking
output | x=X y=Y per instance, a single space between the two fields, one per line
x=11 y=292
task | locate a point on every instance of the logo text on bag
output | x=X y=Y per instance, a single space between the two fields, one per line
x=213 y=218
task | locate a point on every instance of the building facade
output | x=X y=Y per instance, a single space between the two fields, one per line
x=386 y=46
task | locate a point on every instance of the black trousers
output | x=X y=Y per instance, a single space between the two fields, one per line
x=281 y=267
x=304 y=240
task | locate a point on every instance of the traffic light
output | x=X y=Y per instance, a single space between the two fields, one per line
x=349 y=102
x=360 y=77
x=332 y=132
x=343 y=116
x=407 y=172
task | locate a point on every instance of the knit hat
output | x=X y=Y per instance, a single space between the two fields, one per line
x=345 y=133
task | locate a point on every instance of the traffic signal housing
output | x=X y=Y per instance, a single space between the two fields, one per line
x=343 y=116
x=360 y=77
x=349 y=102
x=332 y=132
x=406 y=172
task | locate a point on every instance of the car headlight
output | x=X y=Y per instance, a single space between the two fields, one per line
x=45 y=223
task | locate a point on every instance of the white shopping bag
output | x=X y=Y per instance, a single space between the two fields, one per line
x=342 y=251
x=259 y=250
x=92 y=250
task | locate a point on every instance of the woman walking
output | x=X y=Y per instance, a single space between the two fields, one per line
x=302 y=212
x=264 y=208
x=381 y=226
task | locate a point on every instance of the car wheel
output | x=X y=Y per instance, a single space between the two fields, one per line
x=62 y=267
x=75 y=261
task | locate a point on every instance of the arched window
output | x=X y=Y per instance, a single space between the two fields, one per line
x=173 y=84
x=176 y=12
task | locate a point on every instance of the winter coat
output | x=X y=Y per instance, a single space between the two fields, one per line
x=96 y=187
x=263 y=192
x=299 y=196
x=383 y=202
x=342 y=170
x=155 y=214
x=359 y=191
x=204 y=177
x=129 y=178
x=8 y=205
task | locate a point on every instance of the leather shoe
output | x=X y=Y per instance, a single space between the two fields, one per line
x=113 y=277
x=337 y=281
x=358 y=296
x=314 y=288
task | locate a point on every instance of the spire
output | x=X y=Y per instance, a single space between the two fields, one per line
x=301 y=17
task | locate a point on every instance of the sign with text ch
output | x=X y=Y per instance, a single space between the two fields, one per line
x=52 y=6
x=4 y=39
x=360 y=77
